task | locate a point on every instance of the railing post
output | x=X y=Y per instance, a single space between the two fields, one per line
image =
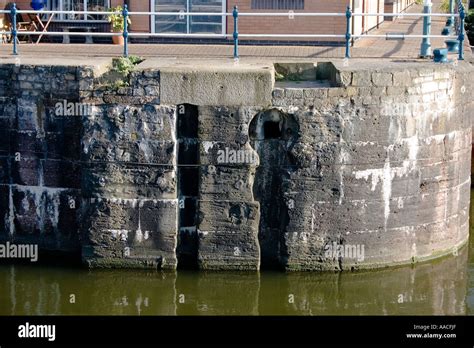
x=235 y=14
x=125 y=30
x=14 y=31
x=462 y=16
x=450 y=21
x=426 y=42
x=348 y=32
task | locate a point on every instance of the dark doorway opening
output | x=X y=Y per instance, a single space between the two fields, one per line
x=271 y=130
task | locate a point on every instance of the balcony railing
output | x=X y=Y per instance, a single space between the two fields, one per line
x=457 y=17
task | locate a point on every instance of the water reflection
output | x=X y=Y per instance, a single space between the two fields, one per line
x=439 y=287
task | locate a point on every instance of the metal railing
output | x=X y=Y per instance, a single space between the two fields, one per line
x=461 y=29
x=348 y=36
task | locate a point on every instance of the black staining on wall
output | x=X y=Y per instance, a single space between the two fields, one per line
x=188 y=184
x=39 y=157
x=272 y=135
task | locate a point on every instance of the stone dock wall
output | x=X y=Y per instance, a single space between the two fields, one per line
x=357 y=166
x=40 y=171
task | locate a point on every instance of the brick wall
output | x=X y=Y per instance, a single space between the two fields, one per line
x=23 y=4
x=312 y=25
x=299 y=25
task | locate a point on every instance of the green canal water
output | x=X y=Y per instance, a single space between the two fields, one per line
x=442 y=287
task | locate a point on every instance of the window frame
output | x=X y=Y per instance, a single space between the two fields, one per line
x=63 y=16
x=188 y=29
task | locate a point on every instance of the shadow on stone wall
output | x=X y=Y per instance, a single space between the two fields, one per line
x=272 y=135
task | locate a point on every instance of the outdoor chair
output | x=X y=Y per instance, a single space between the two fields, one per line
x=29 y=22
x=38 y=25
x=24 y=23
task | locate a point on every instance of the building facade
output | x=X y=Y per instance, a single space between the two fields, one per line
x=220 y=27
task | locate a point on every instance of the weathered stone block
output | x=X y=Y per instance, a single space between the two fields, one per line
x=225 y=124
x=402 y=78
x=62 y=145
x=47 y=217
x=294 y=93
x=362 y=78
x=61 y=174
x=133 y=151
x=382 y=79
x=224 y=250
x=86 y=84
x=223 y=182
x=227 y=85
x=26 y=171
x=337 y=92
x=227 y=215
x=129 y=181
x=129 y=123
x=152 y=91
x=29 y=115
x=138 y=233
x=27 y=143
x=228 y=235
x=278 y=93
x=315 y=93
x=343 y=78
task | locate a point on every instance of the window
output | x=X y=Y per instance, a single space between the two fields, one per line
x=181 y=24
x=79 y=5
x=278 y=4
x=97 y=5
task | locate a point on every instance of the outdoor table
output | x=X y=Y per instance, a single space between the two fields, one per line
x=42 y=26
x=67 y=28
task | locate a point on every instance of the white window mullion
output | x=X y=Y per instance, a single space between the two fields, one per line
x=188 y=20
x=152 y=17
x=224 y=18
